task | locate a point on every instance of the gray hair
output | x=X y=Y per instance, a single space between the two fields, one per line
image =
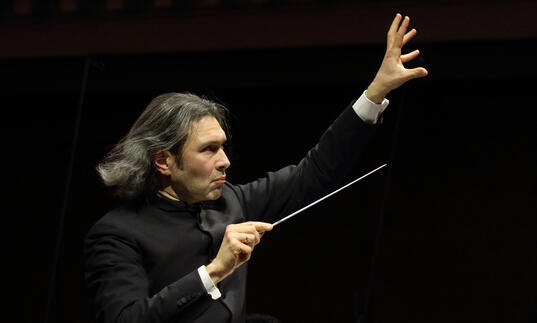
x=164 y=125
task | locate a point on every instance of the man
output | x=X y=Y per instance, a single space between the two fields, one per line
x=173 y=252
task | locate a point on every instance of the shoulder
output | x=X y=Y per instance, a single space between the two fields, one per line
x=120 y=222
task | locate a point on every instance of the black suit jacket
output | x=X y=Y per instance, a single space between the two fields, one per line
x=141 y=259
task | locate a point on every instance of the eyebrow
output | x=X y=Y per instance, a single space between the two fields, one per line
x=213 y=142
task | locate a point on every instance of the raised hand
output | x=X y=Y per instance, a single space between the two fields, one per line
x=236 y=248
x=392 y=73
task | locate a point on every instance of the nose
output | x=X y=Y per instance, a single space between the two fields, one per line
x=223 y=162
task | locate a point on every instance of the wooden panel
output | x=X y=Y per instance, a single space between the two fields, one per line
x=321 y=25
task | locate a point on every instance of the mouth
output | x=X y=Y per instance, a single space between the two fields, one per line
x=220 y=180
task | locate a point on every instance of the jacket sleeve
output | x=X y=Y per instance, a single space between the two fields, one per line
x=119 y=285
x=321 y=171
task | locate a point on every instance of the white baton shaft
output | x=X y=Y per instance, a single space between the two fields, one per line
x=326 y=196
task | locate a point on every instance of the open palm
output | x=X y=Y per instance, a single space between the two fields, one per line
x=392 y=72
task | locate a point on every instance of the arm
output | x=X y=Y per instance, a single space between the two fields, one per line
x=327 y=164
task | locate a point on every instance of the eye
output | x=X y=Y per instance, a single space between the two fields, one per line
x=211 y=148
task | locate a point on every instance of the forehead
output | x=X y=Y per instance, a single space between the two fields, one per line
x=205 y=130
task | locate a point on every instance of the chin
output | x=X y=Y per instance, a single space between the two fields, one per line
x=214 y=195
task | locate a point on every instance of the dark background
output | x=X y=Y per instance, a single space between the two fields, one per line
x=446 y=233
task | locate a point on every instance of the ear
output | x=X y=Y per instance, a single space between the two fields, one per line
x=162 y=160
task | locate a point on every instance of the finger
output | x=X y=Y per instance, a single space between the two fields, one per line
x=250 y=229
x=245 y=232
x=241 y=248
x=256 y=237
x=409 y=35
x=261 y=226
x=393 y=28
x=231 y=227
x=238 y=238
x=404 y=25
x=410 y=56
x=395 y=23
x=417 y=73
x=250 y=239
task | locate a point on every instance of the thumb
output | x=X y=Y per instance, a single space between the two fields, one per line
x=417 y=73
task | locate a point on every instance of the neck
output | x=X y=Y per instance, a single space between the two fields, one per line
x=169 y=194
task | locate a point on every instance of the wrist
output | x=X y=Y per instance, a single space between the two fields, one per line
x=376 y=93
x=215 y=272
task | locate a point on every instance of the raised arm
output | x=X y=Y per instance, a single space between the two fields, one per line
x=345 y=142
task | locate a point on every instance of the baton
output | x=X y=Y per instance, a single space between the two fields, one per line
x=326 y=196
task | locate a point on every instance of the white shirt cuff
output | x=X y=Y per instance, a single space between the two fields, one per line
x=208 y=283
x=368 y=110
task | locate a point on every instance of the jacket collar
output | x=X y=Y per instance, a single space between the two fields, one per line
x=170 y=205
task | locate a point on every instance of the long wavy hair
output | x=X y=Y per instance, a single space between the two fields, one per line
x=164 y=125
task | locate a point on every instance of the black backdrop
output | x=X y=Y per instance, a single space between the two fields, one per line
x=458 y=238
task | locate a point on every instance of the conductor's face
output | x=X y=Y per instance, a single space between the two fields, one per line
x=202 y=173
